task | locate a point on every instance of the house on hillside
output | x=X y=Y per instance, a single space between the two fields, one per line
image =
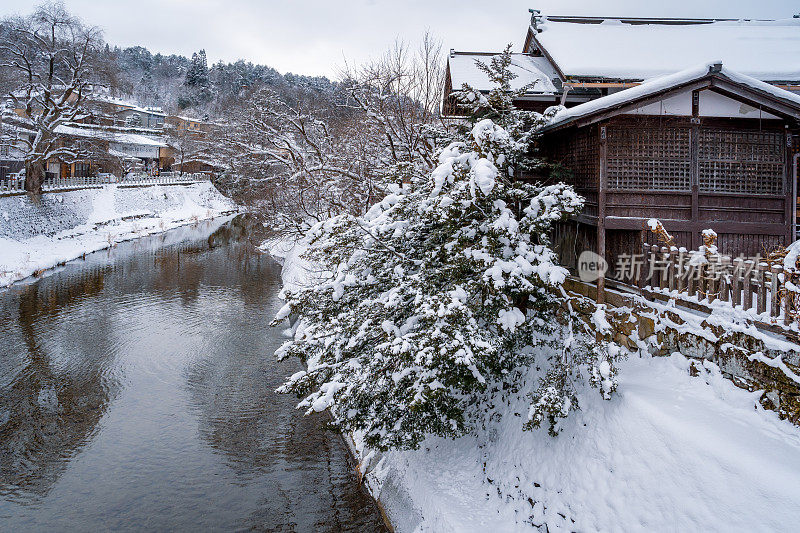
x=111 y=111
x=691 y=121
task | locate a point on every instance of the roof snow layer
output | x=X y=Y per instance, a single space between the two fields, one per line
x=663 y=83
x=529 y=70
x=767 y=50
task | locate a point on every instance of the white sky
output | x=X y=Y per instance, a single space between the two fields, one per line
x=314 y=36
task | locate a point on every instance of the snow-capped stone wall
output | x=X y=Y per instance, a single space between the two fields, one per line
x=39 y=234
x=22 y=217
x=750 y=357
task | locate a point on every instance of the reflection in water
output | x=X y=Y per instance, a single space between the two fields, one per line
x=137 y=392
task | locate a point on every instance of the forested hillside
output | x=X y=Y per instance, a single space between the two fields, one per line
x=178 y=83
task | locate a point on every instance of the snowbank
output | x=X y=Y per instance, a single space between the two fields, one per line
x=296 y=271
x=667 y=453
x=64 y=226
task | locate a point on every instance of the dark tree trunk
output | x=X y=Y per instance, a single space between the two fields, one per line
x=34 y=177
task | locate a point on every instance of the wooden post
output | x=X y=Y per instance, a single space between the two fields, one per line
x=665 y=274
x=788 y=187
x=601 y=211
x=694 y=149
x=673 y=254
x=747 y=296
x=713 y=269
x=762 y=288
x=736 y=284
x=680 y=270
x=645 y=264
x=654 y=280
x=724 y=285
x=774 y=288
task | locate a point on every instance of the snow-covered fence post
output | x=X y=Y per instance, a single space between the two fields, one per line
x=703 y=285
x=681 y=270
x=747 y=297
x=724 y=280
x=774 y=288
x=671 y=269
x=665 y=274
x=653 y=266
x=762 y=288
x=736 y=285
x=712 y=270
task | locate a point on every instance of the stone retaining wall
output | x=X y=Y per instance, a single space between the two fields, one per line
x=753 y=359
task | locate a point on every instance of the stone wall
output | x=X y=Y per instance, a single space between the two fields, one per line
x=752 y=358
x=22 y=216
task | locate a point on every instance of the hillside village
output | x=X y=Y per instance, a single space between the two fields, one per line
x=553 y=287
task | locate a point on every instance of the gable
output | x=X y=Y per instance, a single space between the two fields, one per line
x=712 y=104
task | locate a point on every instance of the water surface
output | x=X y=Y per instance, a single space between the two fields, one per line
x=137 y=393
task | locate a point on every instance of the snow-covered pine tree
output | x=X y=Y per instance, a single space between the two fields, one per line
x=441 y=295
x=498 y=105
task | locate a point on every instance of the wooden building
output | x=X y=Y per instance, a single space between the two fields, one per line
x=703 y=148
x=544 y=85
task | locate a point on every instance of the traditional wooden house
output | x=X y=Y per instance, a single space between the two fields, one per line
x=703 y=148
x=536 y=73
x=608 y=54
x=569 y=60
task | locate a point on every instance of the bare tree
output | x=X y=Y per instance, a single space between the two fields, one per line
x=54 y=55
x=301 y=163
x=309 y=159
x=400 y=94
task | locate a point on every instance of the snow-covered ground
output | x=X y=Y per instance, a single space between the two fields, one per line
x=669 y=452
x=87 y=221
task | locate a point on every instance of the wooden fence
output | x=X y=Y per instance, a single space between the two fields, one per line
x=16 y=185
x=750 y=284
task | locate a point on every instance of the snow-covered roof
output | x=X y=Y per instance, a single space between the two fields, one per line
x=129 y=106
x=767 y=50
x=529 y=69
x=111 y=136
x=663 y=83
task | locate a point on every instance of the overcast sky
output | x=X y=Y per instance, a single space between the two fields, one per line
x=314 y=36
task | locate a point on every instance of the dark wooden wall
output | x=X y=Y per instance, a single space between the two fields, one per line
x=730 y=175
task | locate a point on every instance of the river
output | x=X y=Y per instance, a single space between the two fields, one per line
x=137 y=393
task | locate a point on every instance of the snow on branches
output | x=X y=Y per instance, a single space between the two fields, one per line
x=434 y=297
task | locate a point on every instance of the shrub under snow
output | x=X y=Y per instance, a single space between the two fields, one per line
x=435 y=297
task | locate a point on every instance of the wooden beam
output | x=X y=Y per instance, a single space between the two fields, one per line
x=694 y=166
x=601 y=208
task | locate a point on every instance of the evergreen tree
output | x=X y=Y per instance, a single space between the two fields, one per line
x=443 y=293
x=197 y=74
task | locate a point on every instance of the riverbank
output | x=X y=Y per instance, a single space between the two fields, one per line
x=668 y=452
x=36 y=236
x=135 y=394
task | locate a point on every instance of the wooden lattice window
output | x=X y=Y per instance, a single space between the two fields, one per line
x=579 y=154
x=751 y=162
x=649 y=158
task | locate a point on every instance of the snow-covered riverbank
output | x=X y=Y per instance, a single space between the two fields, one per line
x=64 y=226
x=670 y=452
